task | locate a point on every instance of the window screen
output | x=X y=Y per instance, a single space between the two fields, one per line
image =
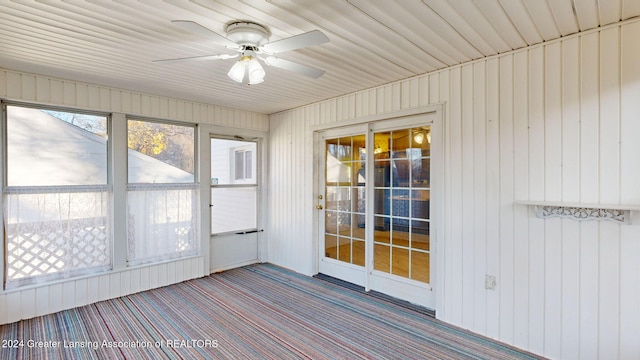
x=234 y=194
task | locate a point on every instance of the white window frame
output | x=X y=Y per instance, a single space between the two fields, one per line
x=193 y=185
x=233 y=168
x=57 y=189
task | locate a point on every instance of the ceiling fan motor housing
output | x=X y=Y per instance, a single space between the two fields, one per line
x=247 y=34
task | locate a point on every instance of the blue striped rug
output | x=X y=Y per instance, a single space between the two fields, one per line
x=255 y=312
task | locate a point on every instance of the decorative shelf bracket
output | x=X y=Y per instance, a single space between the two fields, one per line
x=620 y=214
x=582 y=213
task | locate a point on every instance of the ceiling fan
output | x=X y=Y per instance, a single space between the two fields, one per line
x=250 y=41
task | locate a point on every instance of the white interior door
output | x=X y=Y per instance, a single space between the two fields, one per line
x=385 y=243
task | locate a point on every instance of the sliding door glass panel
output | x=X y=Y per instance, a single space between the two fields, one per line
x=382 y=256
x=401 y=202
x=420 y=266
x=399 y=261
x=358 y=250
x=420 y=235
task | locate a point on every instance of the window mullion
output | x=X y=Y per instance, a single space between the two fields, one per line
x=117 y=152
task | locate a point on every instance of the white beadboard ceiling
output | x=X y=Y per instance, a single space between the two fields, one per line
x=372 y=42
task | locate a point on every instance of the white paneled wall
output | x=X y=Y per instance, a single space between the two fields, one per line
x=30 y=88
x=46 y=299
x=555 y=122
x=38 y=300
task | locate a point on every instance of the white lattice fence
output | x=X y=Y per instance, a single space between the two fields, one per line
x=41 y=248
x=170 y=239
x=162 y=222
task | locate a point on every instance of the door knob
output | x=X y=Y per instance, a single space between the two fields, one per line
x=319 y=207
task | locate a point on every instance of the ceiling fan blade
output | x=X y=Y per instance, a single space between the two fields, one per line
x=196 y=28
x=311 y=38
x=197 y=58
x=294 y=66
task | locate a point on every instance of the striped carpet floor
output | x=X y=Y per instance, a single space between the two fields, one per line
x=255 y=312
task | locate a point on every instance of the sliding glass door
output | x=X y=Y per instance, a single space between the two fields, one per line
x=374 y=207
x=401 y=198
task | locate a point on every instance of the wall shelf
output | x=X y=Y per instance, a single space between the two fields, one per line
x=618 y=213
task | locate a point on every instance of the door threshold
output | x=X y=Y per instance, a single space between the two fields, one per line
x=378 y=295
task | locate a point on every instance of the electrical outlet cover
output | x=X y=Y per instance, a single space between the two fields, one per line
x=490 y=282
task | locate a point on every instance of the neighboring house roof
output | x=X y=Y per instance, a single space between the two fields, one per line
x=59 y=153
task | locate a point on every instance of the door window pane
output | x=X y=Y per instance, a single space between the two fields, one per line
x=234 y=186
x=401 y=202
x=420 y=266
x=422 y=140
x=344 y=197
x=400 y=141
x=382 y=256
x=358 y=250
x=400 y=261
x=331 y=246
x=233 y=209
x=232 y=162
x=344 y=249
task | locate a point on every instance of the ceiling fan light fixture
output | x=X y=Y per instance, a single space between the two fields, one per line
x=256 y=72
x=421 y=135
x=248 y=68
x=418 y=138
x=236 y=73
